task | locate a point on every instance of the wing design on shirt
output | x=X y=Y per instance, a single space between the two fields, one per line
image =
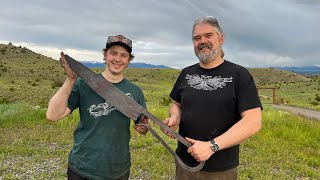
x=207 y=83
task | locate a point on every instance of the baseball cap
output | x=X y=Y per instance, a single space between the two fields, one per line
x=120 y=40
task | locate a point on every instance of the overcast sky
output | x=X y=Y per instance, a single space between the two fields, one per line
x=260 y=33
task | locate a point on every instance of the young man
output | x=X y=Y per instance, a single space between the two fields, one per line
x=216 y=107
x=101 y=139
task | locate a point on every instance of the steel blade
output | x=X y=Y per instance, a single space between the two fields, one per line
x=126 y=105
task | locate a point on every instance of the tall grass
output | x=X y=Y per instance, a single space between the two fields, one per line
x=287 y=147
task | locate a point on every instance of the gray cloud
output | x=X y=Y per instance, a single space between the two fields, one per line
x=258 y=33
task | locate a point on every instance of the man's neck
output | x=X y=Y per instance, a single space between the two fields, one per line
x=113 y=78
x=214 y=63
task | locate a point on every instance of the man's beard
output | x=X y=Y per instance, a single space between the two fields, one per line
x=206 y=58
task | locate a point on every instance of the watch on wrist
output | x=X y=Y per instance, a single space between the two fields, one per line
x=214 y=146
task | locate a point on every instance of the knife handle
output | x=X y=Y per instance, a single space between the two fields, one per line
x=137 y=121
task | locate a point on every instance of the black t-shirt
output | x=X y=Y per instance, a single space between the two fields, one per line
x=212 y=101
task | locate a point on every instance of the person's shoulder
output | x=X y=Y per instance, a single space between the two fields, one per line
x=131 y=84
x=191 y=67
x=79 y=81
x=239 y=68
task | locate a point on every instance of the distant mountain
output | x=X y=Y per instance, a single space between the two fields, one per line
x=308 y=70
x=144 y=65
x=93 y=64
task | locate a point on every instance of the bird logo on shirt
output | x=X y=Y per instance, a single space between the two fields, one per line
x=103 y=109
x=207 y=83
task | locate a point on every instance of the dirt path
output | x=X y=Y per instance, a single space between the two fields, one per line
x=300 y=111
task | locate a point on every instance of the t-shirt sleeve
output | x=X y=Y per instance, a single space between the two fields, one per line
x=73 y=101
x=142 y=100
x=176 y=90
x=248 y=97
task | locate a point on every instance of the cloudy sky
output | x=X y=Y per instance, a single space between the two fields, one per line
x=258 y=33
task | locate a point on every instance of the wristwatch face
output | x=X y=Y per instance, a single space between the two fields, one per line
x=214 y=146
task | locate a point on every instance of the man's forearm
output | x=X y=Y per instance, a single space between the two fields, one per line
x=249 y=125
x=175 y=111
x=58 y=103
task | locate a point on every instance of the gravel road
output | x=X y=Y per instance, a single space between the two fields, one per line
x=300 y=111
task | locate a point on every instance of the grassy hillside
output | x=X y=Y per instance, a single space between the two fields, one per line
x=267 y=76
x=26 y=76
x=29 y=77
x=33 y=148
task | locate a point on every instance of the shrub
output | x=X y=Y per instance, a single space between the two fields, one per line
x=56 y=83
x=315 y=103
x=317 y=98
x=4 y=69
x=11 y=89
x=4 y=101
x=166 y=101
x=3 y=50
x=34 y=84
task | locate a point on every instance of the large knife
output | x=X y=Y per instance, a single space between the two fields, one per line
x=127 y=106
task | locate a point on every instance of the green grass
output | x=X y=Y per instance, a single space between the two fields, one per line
x=300 y=94
x=26 y=76
x=287 y=147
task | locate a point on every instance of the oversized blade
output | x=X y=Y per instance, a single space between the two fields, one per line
x=126 y=105
x=98 y=83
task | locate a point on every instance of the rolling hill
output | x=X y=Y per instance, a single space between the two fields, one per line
x=34 y=78
x=94 y=64
x=308 y=70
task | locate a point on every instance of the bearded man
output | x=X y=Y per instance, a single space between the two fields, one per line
x=215 y=105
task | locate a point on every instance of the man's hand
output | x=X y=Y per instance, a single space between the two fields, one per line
x=172 y=123
x=140 y=128
x=200 y=150
x=63 y=62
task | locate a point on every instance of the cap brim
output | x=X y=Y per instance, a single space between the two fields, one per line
x=121 y=44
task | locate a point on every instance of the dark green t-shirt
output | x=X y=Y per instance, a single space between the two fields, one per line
x=101 y=139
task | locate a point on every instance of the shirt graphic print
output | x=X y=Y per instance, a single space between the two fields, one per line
x=103 y=109
x=207 y=83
